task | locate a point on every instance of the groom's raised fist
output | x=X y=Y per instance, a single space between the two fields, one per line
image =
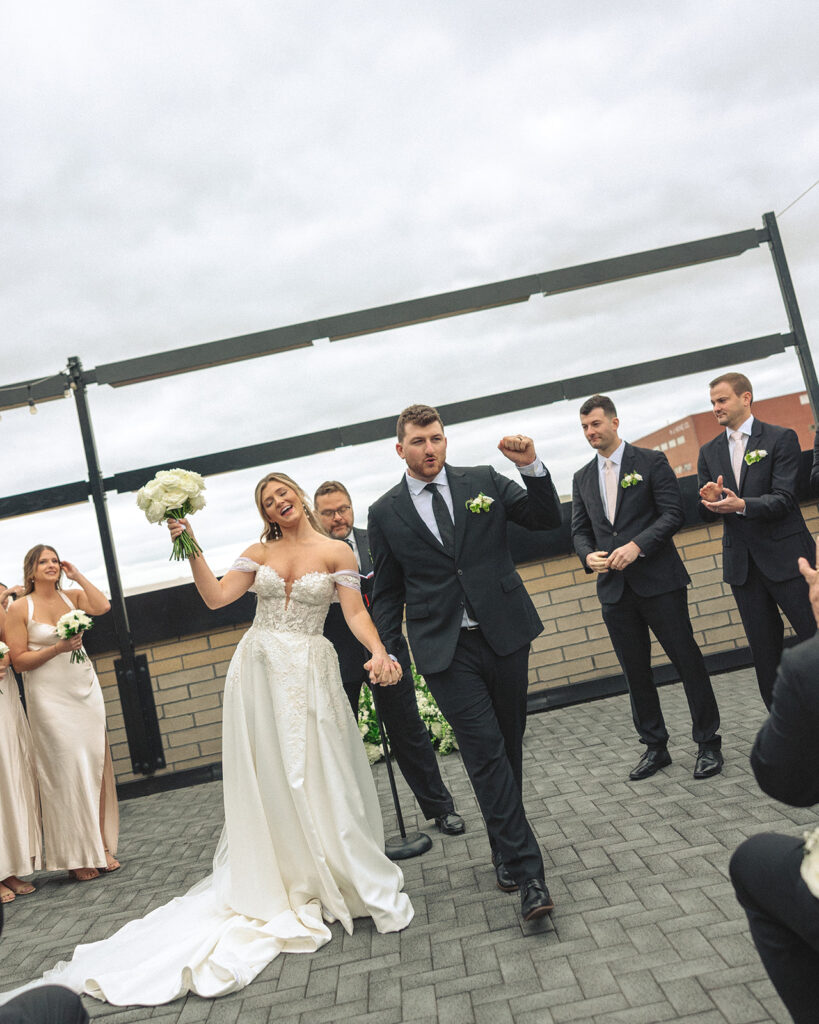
x=518 y=449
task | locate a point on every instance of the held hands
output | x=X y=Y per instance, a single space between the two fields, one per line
x=383 y=670
x=721 y=499
x=619 y=559
x=518 y=449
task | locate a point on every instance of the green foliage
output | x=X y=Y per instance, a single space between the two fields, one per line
x=440 y=731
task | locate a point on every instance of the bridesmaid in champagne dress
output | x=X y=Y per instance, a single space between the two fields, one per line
x=20 y=840
x=66 y=713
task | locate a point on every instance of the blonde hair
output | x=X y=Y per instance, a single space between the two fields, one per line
x=30 y=564
x=272 y=531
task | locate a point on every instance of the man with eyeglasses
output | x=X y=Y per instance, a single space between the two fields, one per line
x=408 y=736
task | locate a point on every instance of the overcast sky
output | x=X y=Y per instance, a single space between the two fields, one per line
x=175 y=173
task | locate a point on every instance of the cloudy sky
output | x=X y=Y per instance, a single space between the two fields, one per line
x=175 y=173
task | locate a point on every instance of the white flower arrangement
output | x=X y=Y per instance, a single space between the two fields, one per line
x=73 y=622
x=174 y=494
x=757 y=455
x=4 y=650
x=481 y=503
x=630 y=479
x=809 y=868
x=440 y=731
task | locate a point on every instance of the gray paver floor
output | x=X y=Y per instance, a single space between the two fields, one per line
x=646 y=926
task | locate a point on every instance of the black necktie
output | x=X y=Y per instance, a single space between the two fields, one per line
x=443 y=519
x=349 y=544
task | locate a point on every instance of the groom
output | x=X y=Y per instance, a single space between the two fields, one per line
x=439 y=547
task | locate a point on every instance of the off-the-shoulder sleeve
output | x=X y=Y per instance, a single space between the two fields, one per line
x=345 y=578
x=245 y=565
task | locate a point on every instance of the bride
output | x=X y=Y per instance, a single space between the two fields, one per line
x=303 y=838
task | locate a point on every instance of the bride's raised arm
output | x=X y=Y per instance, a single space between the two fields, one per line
x=214 y=592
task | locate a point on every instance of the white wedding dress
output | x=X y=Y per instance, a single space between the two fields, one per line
x=303 y=842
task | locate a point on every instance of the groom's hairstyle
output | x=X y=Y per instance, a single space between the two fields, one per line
x=419 y=416
x=598 y=402
x=738 y=383
x=330 y=487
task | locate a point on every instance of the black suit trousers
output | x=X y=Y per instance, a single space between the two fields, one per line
x=628 y=622
x=784 y=918
x=409 y=742
x=48 y=1004
x=757 y=599
x=483 y=697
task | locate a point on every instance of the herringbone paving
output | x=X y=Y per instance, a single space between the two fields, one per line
x=646 y=926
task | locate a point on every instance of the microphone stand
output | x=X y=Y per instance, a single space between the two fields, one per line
x=403 y=846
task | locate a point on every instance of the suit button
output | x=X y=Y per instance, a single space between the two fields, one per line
x=460 y=572
x=614 y=533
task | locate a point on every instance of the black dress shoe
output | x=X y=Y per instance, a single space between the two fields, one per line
x=652 y=761
x=709 y=762
x=505 y=881
x=535 y=900
x=451 y=824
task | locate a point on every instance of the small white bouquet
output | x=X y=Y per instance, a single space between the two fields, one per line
x=73 y=622
x=4 y=650
x=174 y=494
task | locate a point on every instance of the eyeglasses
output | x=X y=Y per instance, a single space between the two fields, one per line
x=331 y=513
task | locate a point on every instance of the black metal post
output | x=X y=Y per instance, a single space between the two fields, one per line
x=403 y=846
x=783 y=275
x=133 y=678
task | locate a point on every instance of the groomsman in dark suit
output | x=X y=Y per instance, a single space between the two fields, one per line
x=439 y=546
x=626 y=508
x=407 y=734
x=767 y=869
x=747 y=478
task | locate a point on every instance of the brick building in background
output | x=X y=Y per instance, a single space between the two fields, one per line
x=681 y=441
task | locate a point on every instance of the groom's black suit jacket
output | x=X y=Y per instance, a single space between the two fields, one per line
x=772 y=532
x=648 y=512
x=413 y=569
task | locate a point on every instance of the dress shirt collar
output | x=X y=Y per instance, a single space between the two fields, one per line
x=416 y=486
x=616 y=457
x=746 y=428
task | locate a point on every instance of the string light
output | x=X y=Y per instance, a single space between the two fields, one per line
x=32 y=408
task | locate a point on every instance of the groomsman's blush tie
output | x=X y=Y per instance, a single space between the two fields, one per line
x=443 y=519
x=610 y=478
x=736 y=453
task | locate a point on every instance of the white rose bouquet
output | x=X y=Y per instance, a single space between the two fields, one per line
x=4 y=650
x=73 y=622
x=174 y=494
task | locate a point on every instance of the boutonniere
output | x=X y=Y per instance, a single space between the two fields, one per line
x=755 y=456
x=479 y=504
x=630 y=479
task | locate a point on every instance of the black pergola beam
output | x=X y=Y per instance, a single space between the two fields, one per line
x=40 y=501
x=43 y=389
x=432 y=307
x=472 y=409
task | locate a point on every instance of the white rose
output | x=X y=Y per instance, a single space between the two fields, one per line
x=809 y=868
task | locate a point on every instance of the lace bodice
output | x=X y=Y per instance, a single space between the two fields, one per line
x=304 y=609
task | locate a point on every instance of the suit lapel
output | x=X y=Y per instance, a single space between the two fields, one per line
x=404 y=508
x=724 y=460
x=753 y=442
x=363 y=551
x=590 y=491
x=459 y=489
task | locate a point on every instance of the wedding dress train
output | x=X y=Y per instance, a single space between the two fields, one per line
x=303 y=839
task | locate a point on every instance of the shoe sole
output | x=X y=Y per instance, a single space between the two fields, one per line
x=708 y=775
x=533 y=915
x=507 y=888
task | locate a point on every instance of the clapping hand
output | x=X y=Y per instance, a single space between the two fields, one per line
x=518 y=449
x=811 y=575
